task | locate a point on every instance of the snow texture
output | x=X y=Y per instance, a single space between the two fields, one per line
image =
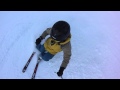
x=95 y=44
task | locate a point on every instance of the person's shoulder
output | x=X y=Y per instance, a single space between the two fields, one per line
x=49 y=28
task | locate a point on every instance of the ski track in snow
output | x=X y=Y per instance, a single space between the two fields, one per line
x=18 y=31
x=93 y=54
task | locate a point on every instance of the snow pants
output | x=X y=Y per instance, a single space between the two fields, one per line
x=44 y=54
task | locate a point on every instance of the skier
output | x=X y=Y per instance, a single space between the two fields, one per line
x=59 y=40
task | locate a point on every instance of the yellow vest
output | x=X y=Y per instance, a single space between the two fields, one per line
x=53 y=46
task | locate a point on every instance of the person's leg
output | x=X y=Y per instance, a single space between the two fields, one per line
x=41 y=48
x=44 y=54
x=47 y=56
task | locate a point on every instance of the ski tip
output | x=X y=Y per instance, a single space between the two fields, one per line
x=34 y=52
x=23 y=71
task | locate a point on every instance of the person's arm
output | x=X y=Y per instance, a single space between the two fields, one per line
x=67 y=54
x=45 y=33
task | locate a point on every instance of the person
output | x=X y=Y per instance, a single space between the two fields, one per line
x=58 y=40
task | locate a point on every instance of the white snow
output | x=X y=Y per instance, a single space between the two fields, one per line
x=95 y=44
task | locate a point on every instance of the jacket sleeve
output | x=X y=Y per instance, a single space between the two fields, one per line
x=66 y=54
x=46 y=32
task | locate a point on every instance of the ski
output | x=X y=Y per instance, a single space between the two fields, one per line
x=35 y=69
x=26 y=65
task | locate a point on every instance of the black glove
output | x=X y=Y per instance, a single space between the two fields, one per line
x=38 y=40
x=60 y=72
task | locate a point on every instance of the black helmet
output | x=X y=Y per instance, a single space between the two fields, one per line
x=60 y=31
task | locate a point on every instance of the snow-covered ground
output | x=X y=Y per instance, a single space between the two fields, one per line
x=95 y=44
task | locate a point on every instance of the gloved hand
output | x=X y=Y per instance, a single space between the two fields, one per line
x=60 y=72
x=38 y=40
